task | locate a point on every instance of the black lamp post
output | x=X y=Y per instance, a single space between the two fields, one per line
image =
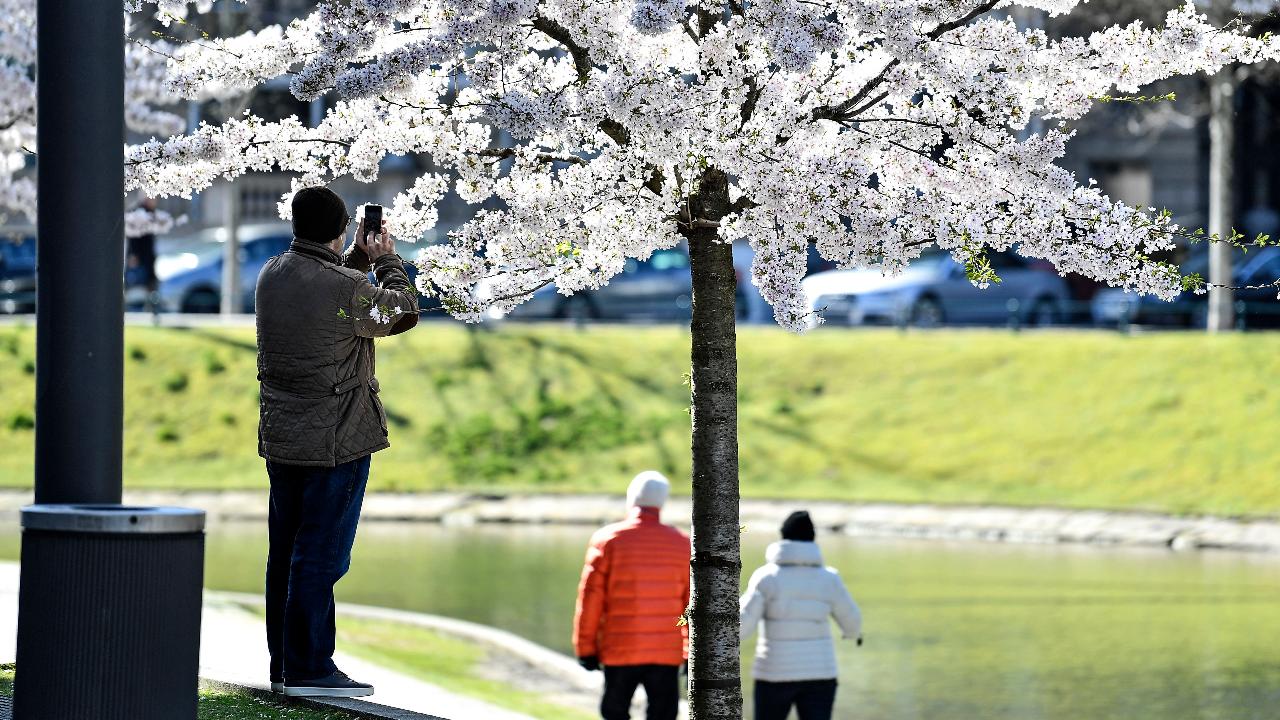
x=109 y=605
x=80 y=251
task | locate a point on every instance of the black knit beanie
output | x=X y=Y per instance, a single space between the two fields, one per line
x=319 y=215
x=798 y=526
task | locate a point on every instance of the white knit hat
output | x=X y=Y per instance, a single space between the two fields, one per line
x=649 y=489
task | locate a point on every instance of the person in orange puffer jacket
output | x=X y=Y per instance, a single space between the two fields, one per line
x=634 y=589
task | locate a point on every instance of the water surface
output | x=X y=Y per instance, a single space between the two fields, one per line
x=954 y=631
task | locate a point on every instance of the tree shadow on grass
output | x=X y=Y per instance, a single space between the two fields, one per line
x=220 y=339
x=806 y=438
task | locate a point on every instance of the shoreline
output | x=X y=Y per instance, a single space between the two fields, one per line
x=990 y=523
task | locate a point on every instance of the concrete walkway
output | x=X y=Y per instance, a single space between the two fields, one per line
x=233 y=649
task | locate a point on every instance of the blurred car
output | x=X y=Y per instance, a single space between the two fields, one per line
x=659 y=288
x=425 y=304
x=190 y=272
x=17 y=273
x=933 y=290
x=190 y=269
x=1257 y=307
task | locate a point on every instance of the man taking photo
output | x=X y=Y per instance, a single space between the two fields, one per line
x=321 y=420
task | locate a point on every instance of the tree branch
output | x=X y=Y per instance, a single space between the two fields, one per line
x=256 y=143
x=944 y=28
x=504 y=153
x=749 y=106
x=841 y=111
x=582 y=62
x=560 y=33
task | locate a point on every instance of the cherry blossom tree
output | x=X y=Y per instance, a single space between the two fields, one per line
x=145 y=99
x=1211 y=96
x=871 y=129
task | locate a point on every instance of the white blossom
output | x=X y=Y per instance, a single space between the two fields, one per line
x=871 y=129
x=140 y=221
x=147 y=103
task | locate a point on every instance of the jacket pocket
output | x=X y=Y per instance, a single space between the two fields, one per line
x=296 y=426
x=377 y=403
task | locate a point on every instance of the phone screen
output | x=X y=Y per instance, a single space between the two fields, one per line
x=372 y=218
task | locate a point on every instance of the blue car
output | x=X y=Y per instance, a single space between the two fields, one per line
x=190 y=271
x=1256 y=307
x=17 y=273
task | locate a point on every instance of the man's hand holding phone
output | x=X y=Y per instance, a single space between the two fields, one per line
x=374 y=243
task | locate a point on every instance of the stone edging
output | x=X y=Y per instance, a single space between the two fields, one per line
x=984 y=523
x=355 y=708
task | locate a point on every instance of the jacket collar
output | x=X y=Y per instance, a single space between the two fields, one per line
x=315 y=250
x=794 y=552
x=647 y=514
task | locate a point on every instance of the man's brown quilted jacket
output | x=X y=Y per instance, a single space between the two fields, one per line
x=317 y=315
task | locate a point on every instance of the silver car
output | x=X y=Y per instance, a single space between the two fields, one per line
x=934 y=291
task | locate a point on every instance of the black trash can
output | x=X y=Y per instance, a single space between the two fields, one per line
x=109 y=613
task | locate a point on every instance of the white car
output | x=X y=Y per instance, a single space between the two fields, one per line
x=934 y=290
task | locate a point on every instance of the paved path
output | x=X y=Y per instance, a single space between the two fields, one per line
x=232 y=649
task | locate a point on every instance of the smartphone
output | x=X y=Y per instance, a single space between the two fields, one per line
x=372 y=219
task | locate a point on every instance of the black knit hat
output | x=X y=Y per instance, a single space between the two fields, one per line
x=319 y=215
x=798 y=526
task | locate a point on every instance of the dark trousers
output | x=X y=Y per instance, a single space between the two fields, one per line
x=312 y=526
x=661 y=685
x=812 y=699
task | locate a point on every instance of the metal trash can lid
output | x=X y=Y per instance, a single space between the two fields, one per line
x=112 y=518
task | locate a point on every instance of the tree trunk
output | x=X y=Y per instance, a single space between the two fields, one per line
x=1222 y=140
x=715 y=687
x=232 y=301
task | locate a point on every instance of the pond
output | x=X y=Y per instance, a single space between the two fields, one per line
x=954 y=631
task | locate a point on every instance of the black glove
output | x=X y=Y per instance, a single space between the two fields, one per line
x=590 y=662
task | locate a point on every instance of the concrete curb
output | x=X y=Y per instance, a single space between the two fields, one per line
x=947 y=522
x=354 y=708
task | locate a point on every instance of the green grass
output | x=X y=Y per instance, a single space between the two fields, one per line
x=1169 y=422
x=444 y=661
x=220 y=703
x=223 y=703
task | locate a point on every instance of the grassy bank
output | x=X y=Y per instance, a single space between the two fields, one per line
x=463 y=667
x=219 y=702
x=1177 y=422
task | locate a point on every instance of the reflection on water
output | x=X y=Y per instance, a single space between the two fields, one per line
x=953 y=630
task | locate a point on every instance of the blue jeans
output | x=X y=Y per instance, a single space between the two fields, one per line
x=312 y=526
x=812 y=699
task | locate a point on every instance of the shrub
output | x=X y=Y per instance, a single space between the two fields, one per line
x=21 y=420
x=176 y=383
x=213 y=364
x=137 y=354
x=167 y=434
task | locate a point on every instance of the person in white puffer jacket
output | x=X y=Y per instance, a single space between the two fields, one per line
x=795 y=596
